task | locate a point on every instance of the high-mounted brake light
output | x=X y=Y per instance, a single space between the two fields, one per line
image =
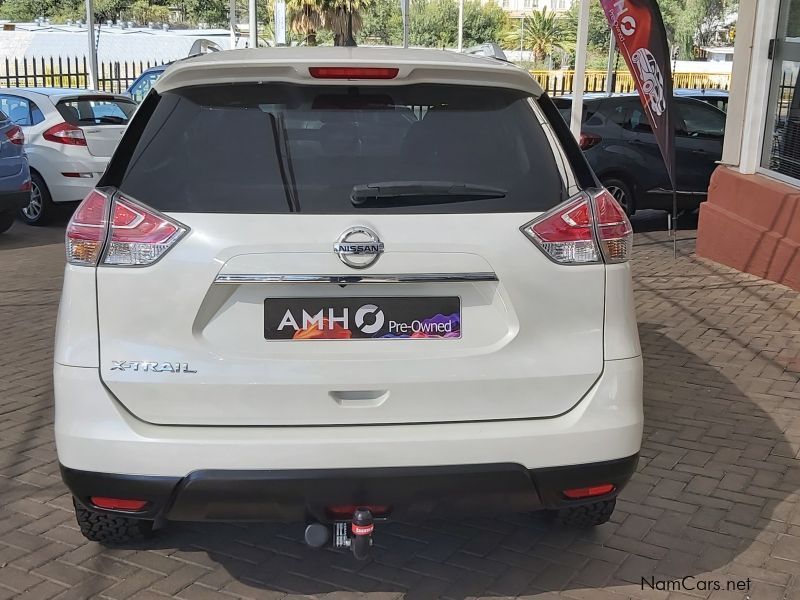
x=587 y=228
x=135 y=236
x=353 y=72
x=15 y=135
x=65 y=133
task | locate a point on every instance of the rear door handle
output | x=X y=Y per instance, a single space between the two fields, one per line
x=699 y=151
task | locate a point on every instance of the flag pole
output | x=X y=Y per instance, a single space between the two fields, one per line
x=460 y=25
x=579 y=78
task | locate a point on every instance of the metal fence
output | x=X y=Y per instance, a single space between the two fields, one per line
x=558 y=83
x=117 y=76
x=69 y=73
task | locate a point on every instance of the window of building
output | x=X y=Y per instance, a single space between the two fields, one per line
x=781 y=150
x=527 y=4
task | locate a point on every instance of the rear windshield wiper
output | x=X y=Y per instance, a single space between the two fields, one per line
x=412 y=193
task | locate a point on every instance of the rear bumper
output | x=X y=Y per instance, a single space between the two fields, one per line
x=13 y=202
x=95 y=433
x=295 y=495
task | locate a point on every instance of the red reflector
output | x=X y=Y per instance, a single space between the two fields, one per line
x=353 y=72
x=589 y=492
x=118 y=503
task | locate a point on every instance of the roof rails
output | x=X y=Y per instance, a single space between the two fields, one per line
x=489 y=50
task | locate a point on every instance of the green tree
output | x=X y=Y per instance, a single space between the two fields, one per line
x=695 y=23
x=305 y=19
x=543 y=33
x=599 y=31
x=433 y=23
x=383 y=23
x=483 y=23
x=343 y=18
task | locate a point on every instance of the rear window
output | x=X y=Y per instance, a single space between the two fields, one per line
x=278 y=148
x=88 y=110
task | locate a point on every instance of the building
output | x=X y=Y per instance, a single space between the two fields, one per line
x=517 y=8
x=752 y=218
x=118 y=42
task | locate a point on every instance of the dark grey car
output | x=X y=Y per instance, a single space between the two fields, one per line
x=621 y=148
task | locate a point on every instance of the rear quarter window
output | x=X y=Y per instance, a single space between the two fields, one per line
x=278 y=148
x=89 y=110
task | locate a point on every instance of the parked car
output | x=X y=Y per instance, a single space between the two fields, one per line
x=15 y=177
x=69 y=138
x=718 y=98
x=345 y=284
x=619 y=144
x=139 y=88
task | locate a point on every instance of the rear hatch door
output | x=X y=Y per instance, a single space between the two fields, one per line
x=253 y=318
x=102 y=118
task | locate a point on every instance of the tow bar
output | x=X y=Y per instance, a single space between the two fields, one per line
x=355 y=534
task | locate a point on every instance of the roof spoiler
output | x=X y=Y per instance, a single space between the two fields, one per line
x=489 y=50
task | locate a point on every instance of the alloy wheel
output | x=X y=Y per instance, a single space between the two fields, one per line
x=619 y=195
x=34 y=208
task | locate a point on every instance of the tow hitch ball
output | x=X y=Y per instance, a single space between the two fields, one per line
x=355 y=534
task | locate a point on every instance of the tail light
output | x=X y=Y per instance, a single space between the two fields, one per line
x=15 y=135
x=65 y=133
x=86 y=230
x=132 y=234
x=587 y=228
x=587 y=140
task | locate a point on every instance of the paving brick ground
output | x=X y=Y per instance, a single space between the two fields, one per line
x=715 y=498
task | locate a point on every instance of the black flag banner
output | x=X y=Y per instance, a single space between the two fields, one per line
x=642 y=39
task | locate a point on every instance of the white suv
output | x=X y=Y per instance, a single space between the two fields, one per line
x=313 y=280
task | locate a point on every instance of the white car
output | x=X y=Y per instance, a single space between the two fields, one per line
x=345 y=284
x=70 y=136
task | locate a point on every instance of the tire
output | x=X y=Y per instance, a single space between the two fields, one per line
x=622 y=192
x=586 y=515
x=40 y=208
x=6 y=221
x=111 y=529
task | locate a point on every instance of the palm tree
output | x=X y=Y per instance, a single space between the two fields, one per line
x=306 y=18
x=343 y=19
x=542 y=34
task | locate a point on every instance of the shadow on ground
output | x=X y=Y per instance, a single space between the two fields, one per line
x=709 y=491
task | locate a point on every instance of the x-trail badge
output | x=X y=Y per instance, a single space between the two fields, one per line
x=358 y=247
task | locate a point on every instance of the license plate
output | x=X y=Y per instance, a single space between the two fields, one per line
x=405 y=317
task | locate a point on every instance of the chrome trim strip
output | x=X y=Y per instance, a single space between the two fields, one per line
x=237 y=278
